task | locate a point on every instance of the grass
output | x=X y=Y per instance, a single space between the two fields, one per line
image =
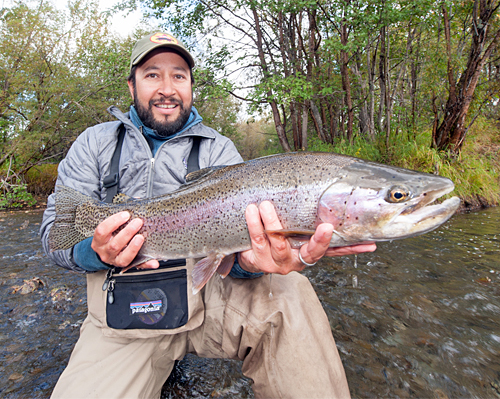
x=475 y=172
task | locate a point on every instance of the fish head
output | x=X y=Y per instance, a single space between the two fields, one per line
x=373 y=202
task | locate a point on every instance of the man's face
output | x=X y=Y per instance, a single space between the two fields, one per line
x=162 y=93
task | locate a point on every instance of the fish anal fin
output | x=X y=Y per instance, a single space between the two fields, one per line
x=204 y=270
x=295 y=237
x=226 y=265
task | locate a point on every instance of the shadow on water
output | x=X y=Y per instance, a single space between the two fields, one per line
x=418 y=318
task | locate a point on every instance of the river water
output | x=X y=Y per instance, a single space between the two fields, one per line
x=418 y=318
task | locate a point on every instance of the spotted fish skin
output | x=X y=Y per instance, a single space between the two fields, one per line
x=205 y=218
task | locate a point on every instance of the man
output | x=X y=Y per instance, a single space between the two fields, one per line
x=284 y=340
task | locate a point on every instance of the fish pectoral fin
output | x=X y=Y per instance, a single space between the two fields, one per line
x=226 y=265
x=291 y=233
x=295 y=237
x=204 y=269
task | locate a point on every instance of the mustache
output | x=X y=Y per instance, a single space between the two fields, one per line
x=163 y=99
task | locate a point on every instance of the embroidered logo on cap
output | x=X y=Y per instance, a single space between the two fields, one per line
x=163 y=38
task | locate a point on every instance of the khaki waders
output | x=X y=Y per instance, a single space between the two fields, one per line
x=283 y=339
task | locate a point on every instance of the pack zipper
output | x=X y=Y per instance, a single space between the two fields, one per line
x=109 y=283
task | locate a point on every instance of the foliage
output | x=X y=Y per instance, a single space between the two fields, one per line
x=58 y=72
x=257 y=138
x=40 y=179
x=213 y=102
x=15 y=195
x=336 y=69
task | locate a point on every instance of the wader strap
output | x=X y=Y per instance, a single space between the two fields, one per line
x=111 y=180
x=193 y=163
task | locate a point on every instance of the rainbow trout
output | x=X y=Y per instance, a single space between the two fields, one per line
x=205 y=218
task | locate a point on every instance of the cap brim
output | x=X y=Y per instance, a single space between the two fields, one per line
x=183 y=52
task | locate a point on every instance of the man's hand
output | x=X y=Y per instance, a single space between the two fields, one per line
x=120 y=250
x=274 y=254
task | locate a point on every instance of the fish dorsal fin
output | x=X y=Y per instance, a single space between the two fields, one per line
x=198 y=174
x=122 y=198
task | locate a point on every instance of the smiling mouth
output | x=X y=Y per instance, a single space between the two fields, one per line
x=166 y=106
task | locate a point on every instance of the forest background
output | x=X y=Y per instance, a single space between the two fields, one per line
x=413 y=83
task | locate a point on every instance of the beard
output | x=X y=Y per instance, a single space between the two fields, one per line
x=166 y=127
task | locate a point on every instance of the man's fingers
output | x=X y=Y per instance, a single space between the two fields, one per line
x=269 y=216
x=279 y=246
x=315 y=249
x=351 y=250
x=120 y=249
x=107 y=227
x=255 y=227
x=129 y=252
x=128 y=234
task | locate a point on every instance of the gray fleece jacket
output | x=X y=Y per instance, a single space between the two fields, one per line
x=141 y=175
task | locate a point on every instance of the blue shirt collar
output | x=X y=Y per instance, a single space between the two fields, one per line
x=194 y=118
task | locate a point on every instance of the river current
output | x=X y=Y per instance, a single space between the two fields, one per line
x=418 y=318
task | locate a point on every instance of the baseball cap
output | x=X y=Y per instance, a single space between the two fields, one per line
x=155 y=40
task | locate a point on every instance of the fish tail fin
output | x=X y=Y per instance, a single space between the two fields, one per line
x=64 y=234
x=204 y=270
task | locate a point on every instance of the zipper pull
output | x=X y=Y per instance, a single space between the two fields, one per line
x=108 y=276
x=111 y=287
x=152 y=163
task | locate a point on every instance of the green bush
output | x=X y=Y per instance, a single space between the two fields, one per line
x=475 y=172
x=41 y=179
x=15 y=196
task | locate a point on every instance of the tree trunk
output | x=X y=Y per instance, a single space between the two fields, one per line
x=305 y=118
x=346 y=81
x=451 y=132
x=414 y=85
x=318 y=122
x=280 y=130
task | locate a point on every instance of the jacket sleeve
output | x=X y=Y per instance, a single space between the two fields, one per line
x=79 y=170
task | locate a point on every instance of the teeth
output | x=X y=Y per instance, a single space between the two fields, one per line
x=167 y=106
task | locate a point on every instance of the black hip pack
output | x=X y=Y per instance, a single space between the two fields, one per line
x=152 y=299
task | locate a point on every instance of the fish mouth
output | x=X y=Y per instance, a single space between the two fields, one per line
x=424 y=199
x=422 y=212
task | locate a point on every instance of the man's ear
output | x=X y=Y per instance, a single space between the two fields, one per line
x=131 y=88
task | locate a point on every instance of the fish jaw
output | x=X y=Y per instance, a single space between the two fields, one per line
x=422 y=220
x=362 y=209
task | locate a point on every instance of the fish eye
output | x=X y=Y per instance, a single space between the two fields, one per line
x=398 y=194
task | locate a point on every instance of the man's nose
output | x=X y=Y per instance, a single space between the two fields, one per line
x=166 y=87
